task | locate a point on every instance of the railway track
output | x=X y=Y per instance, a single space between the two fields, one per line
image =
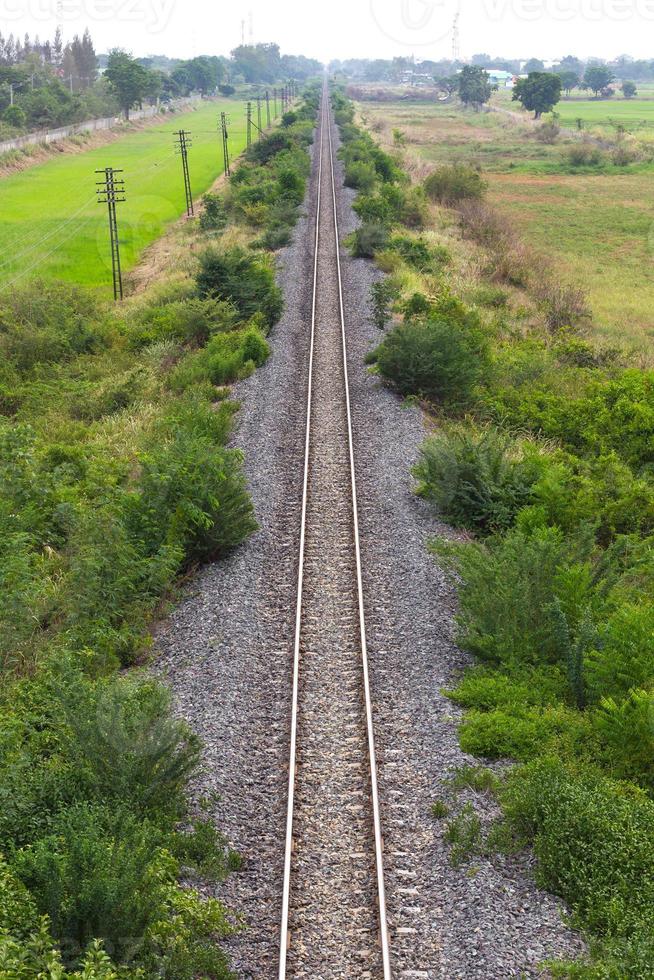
x=333 y=906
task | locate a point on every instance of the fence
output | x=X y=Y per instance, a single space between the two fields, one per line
x=91 y=125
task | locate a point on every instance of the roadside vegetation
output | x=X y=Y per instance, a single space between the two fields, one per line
x=117 y=479
x=542 y=453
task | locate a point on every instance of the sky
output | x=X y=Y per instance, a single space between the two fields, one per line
x=327 y=29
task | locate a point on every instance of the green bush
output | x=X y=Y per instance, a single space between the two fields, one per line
x=478 y=478
x=360 y=175
x=367 y=240
x=418 y=254
x=101 y=873
x=214 y=215
x=456 y=182
x=626 y=731
x=623 y=659
x=583 y=155
x=191 y=321
x=241 y=279
x=594 y=844
x=441 y=356
x=510 y=586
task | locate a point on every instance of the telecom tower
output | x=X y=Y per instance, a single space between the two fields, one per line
x=456 y=47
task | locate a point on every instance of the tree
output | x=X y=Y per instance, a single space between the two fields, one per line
x=598 y=77
x=629 y=90
x=534 y=64
x=569 y=80
x=474 y=87
x=129 y=80
x=570 y=63
x=538 y=93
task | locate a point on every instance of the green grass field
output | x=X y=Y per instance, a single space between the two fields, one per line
x=601 y=115
x=52 y=226
x=597 y=227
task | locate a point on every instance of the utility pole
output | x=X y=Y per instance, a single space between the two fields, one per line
x=275 y=100
x=111 y=191
x=259 y=115
x=267 y=109
x=182 y=144
x=223 y=127
x=248 y=117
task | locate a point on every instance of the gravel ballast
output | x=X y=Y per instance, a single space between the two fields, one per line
x=226 y=653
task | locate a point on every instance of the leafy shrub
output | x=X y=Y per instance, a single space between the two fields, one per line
x=214 y=214
x=547 y=132
x=360 y=175
x=478 y=478
x=141 y=912
x=522 y=733
x=48 y=323
x=442 y=356
x=583 y=154
x=594 y=844
x=191 y=321
x=453 y=183
x=491 y=296
x=623 y=660
x=367 y=240
x=383 y=294
x=508 y=591
x=241 y=279
x=626 y=730
x=418 y=254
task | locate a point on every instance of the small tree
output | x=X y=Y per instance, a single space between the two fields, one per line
x=629 y=90
x=129 y=80
x=474 y=86
x=569 y=80
x=598 y=77
x=538 y=93
x=534 y=64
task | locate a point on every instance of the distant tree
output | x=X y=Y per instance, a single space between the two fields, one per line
x=14 y=116
x=534 y=64
x=598 y=77
x=129 y=80
x=569 y=80
x=629 y=90
x=570 y=63
x=473 y=86
x=538 y=93
x=448 y=84
x=482 y=60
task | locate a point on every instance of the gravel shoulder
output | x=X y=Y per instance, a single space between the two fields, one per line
x=226 y=654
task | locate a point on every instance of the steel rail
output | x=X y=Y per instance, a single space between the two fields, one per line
x=288 y=852
x=374 y=792
x=325 y=119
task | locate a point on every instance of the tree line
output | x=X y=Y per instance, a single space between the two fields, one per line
x=44 y=84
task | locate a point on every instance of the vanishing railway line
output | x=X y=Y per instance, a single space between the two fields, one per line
x=333 y=907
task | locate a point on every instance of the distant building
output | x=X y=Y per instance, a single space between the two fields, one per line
x=501 y=78
x=412 y=77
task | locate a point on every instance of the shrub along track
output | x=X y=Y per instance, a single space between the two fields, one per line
x=228 y=654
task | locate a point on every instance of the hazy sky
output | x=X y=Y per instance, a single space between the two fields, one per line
x=349 y=28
